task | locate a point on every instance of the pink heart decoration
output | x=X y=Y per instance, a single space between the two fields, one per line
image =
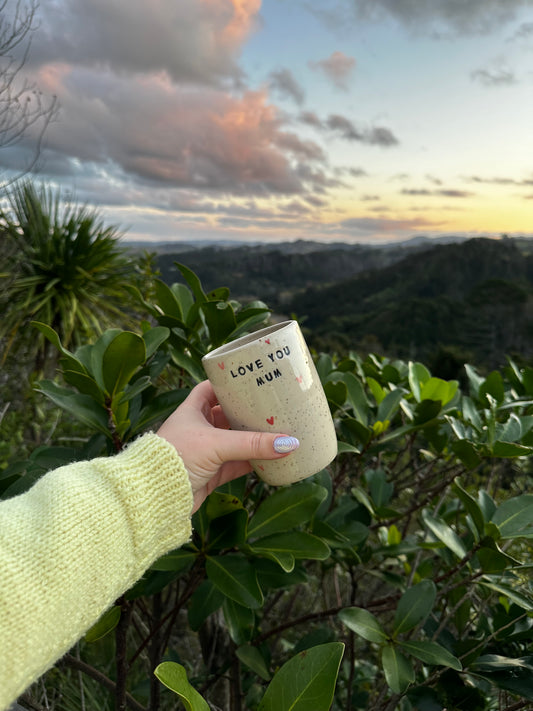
x=221 y=365
x=300 y=378
x=267 y=340
x=270 y=420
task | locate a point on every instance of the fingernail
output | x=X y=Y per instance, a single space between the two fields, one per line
x=282 y=445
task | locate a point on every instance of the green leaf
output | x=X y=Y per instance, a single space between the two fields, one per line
x=514 y=675
x=220 y=504
x=105 y=624
x=305 y=682
x=71 y=362
x=240 y=621
x=83 y=407
x=168 y=301
x=220 y=320
x=236 y=578
x=363 y=623
x=524 y=602
x=380 y=489
x=493 y=386
x=336 y=393
x=444 y=533
x=510 y=449
x=174 y=677
x=252 y=658
x=466 y=452
x=357 y=397
x=471 y=506
x=514 y=517
x=418 y=375
x=398 y=669
x=193 y=281
x=414 y=606
x=159 y=408
x=154 y=338
x=132 y=390
x=437 y=389
x=431 y=653
x=178 y=560
x=84 y=384
x=204 y=601
x=122 y=357
x=295 y=543
x=388 y=407
x=286 y=508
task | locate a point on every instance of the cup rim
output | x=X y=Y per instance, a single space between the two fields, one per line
x=240 y=343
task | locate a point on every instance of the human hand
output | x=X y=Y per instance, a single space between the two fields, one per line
x=212 y=453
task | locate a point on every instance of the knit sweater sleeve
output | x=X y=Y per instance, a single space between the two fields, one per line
x=71 y=545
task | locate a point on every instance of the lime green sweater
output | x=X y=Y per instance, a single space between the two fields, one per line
x=75 y=542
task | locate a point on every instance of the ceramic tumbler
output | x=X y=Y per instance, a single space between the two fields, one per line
x=267 y=381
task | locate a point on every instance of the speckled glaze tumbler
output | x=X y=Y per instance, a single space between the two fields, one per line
x=267 y=381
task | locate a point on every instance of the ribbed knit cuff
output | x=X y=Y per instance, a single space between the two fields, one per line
x=153 y=483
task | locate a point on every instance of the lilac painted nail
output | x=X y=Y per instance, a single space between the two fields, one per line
x=282 y=445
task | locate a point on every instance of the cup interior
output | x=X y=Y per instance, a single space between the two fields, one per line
x=243 y=341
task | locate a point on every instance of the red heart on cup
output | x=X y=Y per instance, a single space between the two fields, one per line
x=221 y=366
x=300 y=378
x=270 y=420
x=267 y=340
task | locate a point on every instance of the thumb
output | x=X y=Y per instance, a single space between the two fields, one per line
x=235 y=445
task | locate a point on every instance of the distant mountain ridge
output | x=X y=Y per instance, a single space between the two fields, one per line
x=275 y=271
x=473 y=300
x=468 y=300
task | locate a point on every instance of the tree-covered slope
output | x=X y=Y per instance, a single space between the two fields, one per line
x=472 y=299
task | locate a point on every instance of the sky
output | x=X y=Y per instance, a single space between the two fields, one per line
x=274 y=120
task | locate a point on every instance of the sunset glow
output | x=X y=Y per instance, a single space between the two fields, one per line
x=250 y=120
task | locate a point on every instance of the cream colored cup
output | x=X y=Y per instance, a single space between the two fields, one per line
x=267 y=382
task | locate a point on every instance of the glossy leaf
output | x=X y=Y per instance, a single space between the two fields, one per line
x=105 y=624
x=444 y=533
x=414 y=606
x=363 y=623
x=398 y=669
x=240 y=621
x=205 y=600
x=236 y=578
x=514 y=517
x=307 y=681
x=252 y=658
x=418 y=375
x=431 y=653
x=295 y=543
x=286 y=508
x=122 y=357
x=174 y=677
x=83 y=407
x=471 y=506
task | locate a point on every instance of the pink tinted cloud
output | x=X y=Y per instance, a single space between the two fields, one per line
x=338 y=67
x=182 y=136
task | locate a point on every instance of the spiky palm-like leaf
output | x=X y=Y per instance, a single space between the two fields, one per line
x=68 y=270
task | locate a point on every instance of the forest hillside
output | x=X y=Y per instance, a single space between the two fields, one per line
x=468 y=301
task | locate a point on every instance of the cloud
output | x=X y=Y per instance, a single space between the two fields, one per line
x=443 y=192
x=283 y=81
x=338 y=68
x=472 y=16
x=500 y=180
x=191 y=40
x=346 y=129
x=343 y=127
x=185 y=137
x=496 y=77
x=524 y=32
